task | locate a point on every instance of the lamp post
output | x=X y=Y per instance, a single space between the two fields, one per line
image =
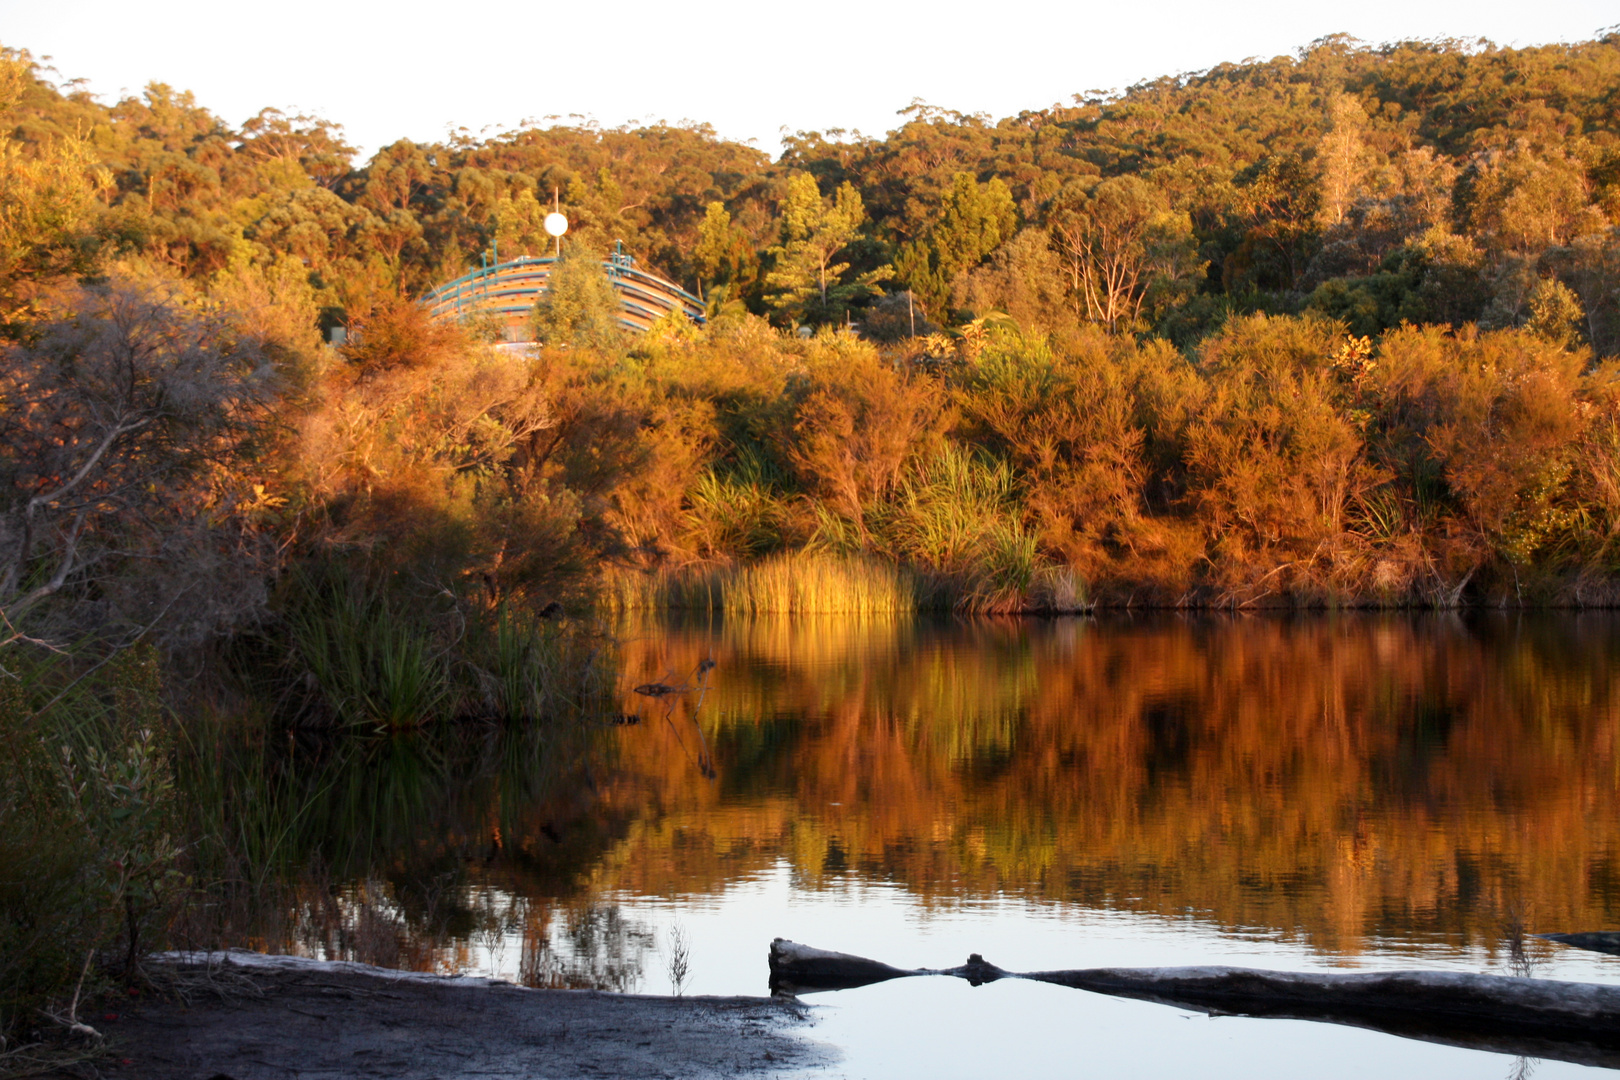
x=556 y=224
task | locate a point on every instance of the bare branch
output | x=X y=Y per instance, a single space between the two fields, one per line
x=25 y=546
x=63 y=569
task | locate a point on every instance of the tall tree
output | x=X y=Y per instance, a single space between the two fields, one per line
x=1121 y=243
x=724 y=253
x=1341 y=157
x=975 y=220
x=806 y=280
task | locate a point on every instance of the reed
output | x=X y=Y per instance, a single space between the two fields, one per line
x=805 y=583
x=797 y=583
x=371 y=663
x=1006 y=577
x=516 y=667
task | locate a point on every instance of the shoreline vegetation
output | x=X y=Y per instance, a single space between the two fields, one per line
x=1338 y=329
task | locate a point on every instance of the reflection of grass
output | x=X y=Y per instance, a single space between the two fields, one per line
x=282 y=829
x=785 y=584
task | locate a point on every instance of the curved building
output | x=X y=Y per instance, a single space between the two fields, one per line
x=508 y=291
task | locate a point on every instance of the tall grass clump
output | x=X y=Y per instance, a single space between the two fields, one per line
x=736 y=512
x=381 y=659
x=516 y=667
x=959 y=516
x=371 y=662
x=803 y=582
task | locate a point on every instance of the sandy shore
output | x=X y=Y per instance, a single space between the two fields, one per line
x=265 y=1018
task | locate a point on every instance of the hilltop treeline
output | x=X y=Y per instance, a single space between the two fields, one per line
x=1425 y=182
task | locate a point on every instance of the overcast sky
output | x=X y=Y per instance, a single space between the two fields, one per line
x=408 y=69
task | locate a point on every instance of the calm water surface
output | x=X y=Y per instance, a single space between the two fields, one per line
x=1347 y=793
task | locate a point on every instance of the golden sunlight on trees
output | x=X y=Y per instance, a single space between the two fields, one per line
x=723 y=255
x=520 y=225
x=1343 y=155
x=1123 y=248
x=1224 y=345
x=48 y=201
x=806 y=278
x=975 y=220
x=579 y=307
x=860 y=424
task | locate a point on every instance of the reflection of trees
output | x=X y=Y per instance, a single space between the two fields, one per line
x=596 y=948
x=567 y=944
x=1336 y=777
x=411 y=851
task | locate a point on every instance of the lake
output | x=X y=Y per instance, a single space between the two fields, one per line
x=1337 y=792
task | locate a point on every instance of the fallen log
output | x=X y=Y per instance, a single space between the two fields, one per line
x=799 y=969
x=1603 y=941
x=1546 y=1018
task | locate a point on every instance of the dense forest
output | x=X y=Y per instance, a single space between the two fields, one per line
x=1332 y=329
x=1324 y=329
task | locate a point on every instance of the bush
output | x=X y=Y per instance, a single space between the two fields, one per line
x=90 y=846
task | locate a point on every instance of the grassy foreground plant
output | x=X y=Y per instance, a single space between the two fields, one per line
x=372 y=663
x=90 y=847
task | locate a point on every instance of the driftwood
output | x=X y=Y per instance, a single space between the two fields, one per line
x=1543 y=1018
x=1604 y=941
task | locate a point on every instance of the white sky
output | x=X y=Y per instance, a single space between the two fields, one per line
x=410 y=69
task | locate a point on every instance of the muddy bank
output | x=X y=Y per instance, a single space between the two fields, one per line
x=266 y=1018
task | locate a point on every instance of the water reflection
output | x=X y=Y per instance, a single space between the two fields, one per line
x=462 y=849
x=1356 y=784
x=1355 y=781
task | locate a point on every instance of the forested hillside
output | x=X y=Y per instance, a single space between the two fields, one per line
x=1328 y=328
x=1424 y=182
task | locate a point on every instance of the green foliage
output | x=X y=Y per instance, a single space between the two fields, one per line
x=1242 y=188
x=724 y=252
x=373 y=662
x=579 y=306
x=736 y=513
x=1555 y=314
x=975 y=220
x=1434 y=278
x=805 y=282
x=949 y=511
x=90 y=851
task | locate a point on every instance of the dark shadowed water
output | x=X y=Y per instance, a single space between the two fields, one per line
x=1346 y=793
